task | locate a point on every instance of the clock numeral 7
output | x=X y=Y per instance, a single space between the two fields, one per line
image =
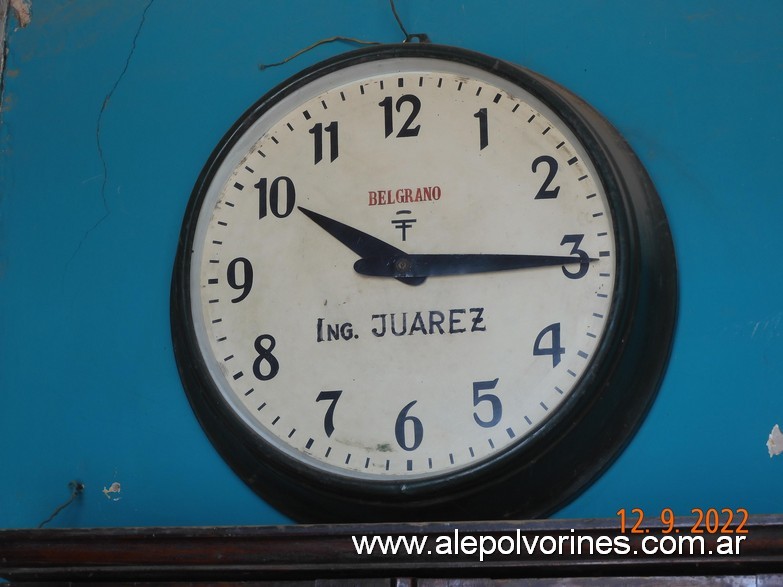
x=406 y=130
x=332 y=397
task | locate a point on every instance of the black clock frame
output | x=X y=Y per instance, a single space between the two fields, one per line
x=568 y=451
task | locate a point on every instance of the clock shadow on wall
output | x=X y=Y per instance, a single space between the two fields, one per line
x=415 y=282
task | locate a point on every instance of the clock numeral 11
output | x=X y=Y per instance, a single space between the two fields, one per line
x=318 y=141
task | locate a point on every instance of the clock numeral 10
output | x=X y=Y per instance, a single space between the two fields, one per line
x=270 y=201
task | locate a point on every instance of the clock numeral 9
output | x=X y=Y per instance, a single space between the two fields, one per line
x=247 y=277
x=555 y=350
x=544 y=192
x=265 y=356
x=270 y=202
x=406 y=130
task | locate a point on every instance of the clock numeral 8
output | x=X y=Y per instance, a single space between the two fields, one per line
x=265 y=356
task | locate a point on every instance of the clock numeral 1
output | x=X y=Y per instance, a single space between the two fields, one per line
x=332 y=397
x=415 y=426
x=318 y=139
x=555 y=350
x=388 y=114
x=272 y=202
x=265 y=356
x=483 y=132
x=545 y=192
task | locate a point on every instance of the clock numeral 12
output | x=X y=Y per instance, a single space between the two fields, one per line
x=406 y=130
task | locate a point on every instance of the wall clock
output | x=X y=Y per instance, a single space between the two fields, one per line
x=416 y=282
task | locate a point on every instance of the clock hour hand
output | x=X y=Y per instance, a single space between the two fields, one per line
x=422 y=266
x=361 y=243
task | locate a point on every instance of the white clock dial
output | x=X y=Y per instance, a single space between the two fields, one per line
x=369 y=375
x=415 y=282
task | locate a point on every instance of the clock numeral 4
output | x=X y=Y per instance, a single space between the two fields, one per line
x=269 y=199
x=555 y=350
x=388 y=115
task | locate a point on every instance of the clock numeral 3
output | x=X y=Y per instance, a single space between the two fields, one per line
x=272 y=202
x=544 y=192
x=555 y=350
x=584 y=264
x=332 y=397
x=388 y=115
x=247 y=277
x=415 y=425
x=265 y=356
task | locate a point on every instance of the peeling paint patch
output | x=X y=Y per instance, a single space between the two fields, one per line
x=113 y=491
x=22 y=11
x=775 y=442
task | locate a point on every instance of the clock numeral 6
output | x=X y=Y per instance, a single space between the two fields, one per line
x=265 y=356
x=272 y=203
x=555 y=350
x=406 y=130
x=415 y=426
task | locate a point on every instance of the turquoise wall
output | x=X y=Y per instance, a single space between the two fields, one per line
x=111 y=107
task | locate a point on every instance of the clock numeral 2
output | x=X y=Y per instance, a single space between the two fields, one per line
x=406 y=130
x=270 y=202
x=545 y=193
x=318 y=141
x=265 y=356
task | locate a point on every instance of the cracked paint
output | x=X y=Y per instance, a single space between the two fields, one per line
x=775 y=442
x=22 y=11
x=113 y=491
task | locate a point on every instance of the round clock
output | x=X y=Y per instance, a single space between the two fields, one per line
x=415 y=282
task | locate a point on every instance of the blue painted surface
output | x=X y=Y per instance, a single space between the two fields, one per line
x=110 y=109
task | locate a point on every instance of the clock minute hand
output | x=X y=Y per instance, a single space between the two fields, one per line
x=422 y=266
x=361 y=243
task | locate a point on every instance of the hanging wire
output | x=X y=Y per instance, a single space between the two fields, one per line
x=76 y=490
x=420 y=37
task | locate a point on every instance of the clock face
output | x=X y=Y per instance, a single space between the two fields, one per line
x=400 y=270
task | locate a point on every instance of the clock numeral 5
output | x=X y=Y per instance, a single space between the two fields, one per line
x=555 y=350
x=494 y=402
x=406 y=130
x=270 y=202
x=318 y=141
